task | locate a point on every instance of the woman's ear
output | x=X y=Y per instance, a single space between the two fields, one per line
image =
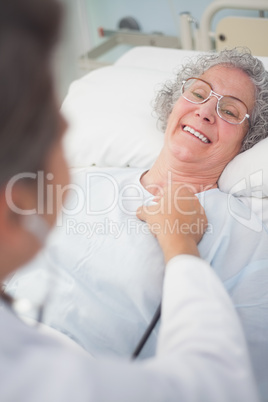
x=8 y=221
x=17 y=245
x=12 y=212
x=14 y=205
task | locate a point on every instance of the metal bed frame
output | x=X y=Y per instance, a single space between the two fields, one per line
x=192 y=37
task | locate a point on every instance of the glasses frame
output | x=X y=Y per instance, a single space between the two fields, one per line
x=217 y=96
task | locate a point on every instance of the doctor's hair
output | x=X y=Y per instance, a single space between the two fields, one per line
x=240 y=58
x=29 y=118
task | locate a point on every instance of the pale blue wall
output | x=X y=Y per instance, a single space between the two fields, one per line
x=83 y=17
x=152 y=15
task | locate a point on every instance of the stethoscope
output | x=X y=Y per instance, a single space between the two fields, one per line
x=33 y=224
x=147 y=333
x=38 y=227
x=20 y=305
x=151 y=326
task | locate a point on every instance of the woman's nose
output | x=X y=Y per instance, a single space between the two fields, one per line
x=207 y=111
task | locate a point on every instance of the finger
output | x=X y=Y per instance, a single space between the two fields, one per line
x=140 y=213
x=157 y=198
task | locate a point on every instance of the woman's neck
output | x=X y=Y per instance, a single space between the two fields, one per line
x=164 y=172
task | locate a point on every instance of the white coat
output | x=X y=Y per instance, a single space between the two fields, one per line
x=201 y=353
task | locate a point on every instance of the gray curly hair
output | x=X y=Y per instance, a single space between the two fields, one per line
x=238 y=58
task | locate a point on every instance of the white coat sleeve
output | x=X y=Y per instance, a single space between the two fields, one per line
x=201 y=355
x=201 y=340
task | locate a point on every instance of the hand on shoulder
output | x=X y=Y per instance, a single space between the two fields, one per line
x=177 y=219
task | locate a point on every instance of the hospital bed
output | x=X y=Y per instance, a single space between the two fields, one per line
x=235 y=30
x=111 y=125
x=111 y=122
x=210 y=33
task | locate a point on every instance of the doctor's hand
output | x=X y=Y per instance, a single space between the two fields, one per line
x=177 y=219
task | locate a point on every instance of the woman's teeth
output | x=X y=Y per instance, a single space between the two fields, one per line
x=196 y=134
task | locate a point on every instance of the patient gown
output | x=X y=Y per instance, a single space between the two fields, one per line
x=106 y=269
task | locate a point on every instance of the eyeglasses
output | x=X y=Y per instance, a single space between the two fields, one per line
x=229 y=108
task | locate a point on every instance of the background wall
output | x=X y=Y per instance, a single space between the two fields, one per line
x=152 y=15
x=84 y=17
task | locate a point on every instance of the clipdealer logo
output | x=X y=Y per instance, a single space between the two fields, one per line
x=130 y=226
x=252 y=216
x=50 y=195
x=125 y=198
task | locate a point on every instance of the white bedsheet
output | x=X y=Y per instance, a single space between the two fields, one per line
x=112 y=124
x=111 y=268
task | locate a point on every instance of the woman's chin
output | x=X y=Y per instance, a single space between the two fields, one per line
x=186 y=148
x=183 y=153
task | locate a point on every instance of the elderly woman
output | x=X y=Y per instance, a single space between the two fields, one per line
x=111 y=281
x=216 y=108
x=36 y=366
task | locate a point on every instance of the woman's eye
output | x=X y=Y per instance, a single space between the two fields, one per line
x=229 y=112
x=197 y=95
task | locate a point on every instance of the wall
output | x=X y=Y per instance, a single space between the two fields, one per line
x=152 y=15
x=74 y=42
x=84 y=17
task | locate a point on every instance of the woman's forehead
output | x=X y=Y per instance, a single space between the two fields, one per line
x=229 y=80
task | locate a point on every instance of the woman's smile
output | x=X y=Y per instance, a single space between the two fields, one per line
x=196 y=133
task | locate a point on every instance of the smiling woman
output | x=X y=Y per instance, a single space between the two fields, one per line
x=198 y=137
x=37 y=364
x=112 y=267
x=239 y=59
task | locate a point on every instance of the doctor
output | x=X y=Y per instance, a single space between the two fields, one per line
x=201 y=354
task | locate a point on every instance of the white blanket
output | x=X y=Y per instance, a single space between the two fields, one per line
x=110 y=267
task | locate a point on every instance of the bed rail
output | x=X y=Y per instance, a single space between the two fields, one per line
x=218 y=5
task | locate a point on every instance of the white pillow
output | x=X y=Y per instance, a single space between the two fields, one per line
x=110 y=117
x=155 y=58
x=111 y=122
x=247 y=174
x=246 y=177
x=110 y=113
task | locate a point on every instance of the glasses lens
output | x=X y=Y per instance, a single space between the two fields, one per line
x=232 y=110
x=196 y=91
x=229 y=108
